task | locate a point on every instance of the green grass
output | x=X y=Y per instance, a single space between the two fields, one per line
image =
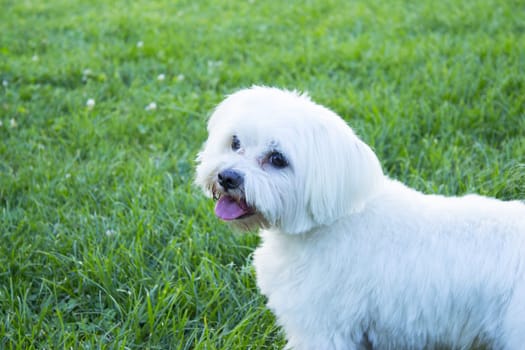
x=104 y=241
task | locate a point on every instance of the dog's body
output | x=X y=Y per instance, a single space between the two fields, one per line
x=350 y=258
x=386 y=273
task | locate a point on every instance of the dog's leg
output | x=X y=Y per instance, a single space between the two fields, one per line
x=319 y=341
x=514 y=321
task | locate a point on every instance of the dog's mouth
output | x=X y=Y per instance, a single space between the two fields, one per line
x=230 y=208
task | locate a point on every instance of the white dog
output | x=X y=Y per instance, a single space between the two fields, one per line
x=351 y=259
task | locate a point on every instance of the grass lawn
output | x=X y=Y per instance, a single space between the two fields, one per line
x=105 y=243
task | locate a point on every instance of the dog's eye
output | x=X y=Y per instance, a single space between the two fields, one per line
x=236 y=144
x=277 y=160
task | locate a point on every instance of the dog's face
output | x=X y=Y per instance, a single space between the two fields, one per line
x=277 y=160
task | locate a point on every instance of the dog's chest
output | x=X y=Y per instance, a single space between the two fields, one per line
x=307 y=280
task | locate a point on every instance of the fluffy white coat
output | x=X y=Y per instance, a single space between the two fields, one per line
x=350 y=258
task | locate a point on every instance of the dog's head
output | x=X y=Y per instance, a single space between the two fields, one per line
x=275 y=159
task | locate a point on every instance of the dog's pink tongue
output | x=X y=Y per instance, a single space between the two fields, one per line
x=228 y=209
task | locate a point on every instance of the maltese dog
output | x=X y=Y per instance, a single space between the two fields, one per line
x=351 y=259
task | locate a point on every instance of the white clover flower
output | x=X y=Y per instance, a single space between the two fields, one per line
x=13 y=123
x=34 y=58
x=151 y=107
x=161 y=77
x=5 y=83
x=86 y=73
x=140 y=44
x=111 y=232
x=180 y=77
x=214 y=64
x=90 y=103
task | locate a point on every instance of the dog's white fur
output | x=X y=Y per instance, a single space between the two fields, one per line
x=352 y=259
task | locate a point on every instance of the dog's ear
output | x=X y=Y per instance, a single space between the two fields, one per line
x=342 y=173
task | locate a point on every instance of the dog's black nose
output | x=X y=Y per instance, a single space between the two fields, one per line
x=230 y=179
